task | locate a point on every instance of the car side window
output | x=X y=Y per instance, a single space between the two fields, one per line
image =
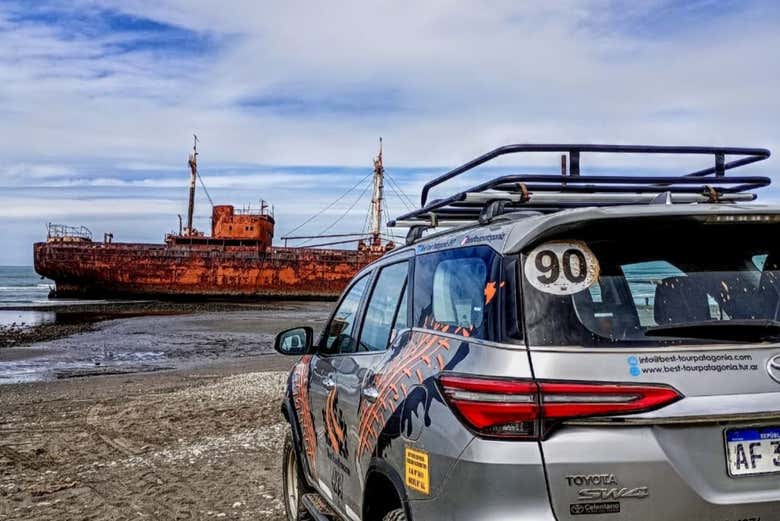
x=340 y=331
x=455 y=291
x=383 y=307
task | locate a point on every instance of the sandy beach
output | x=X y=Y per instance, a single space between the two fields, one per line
x=197 y=435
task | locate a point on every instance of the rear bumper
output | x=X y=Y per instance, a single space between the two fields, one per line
x=491 y=481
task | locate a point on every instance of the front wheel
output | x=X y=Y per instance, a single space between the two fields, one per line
x=395 y=515
x=294 y=484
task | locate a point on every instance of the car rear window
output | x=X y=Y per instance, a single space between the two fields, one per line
x=662 y=283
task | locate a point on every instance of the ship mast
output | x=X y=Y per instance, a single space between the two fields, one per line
x=193 y=163
x=376 y=198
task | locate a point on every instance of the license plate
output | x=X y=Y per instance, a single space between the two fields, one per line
x=752 y=451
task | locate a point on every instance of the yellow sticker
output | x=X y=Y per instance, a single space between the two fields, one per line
x=417 y=477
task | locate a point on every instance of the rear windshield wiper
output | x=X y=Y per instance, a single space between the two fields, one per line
x=731 y=330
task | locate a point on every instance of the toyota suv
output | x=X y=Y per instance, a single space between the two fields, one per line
x=555 y=347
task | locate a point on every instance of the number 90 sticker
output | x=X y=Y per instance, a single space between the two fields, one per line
x=562 y=267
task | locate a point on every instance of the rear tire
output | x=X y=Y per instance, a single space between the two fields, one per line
x=293 y=483
x=395 y=515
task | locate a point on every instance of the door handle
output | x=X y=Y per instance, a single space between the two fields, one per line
x=370 y=394
x=328 y=383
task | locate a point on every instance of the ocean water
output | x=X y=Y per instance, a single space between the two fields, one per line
x=21 y=288
x=20 y=285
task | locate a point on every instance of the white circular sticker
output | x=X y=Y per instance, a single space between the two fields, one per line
x=562 y=267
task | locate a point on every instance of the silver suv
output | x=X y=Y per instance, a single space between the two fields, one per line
x=561 y=346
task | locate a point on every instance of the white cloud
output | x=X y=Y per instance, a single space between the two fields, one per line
x=54 y=208
x=464 y=78
x=441 y=81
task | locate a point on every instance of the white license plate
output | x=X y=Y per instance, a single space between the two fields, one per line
x=754 y=450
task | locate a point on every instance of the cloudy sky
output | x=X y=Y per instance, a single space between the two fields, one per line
x=99 y=98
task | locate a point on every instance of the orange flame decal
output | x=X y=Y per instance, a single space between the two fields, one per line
x=300 y=391
x=410 y=366
x=490 y=292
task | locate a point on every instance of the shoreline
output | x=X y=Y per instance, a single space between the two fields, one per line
x=76 y=318
x=111 y=306
x=23 y=335
x=130 y=338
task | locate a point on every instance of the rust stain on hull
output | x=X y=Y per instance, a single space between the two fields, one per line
x=145 y=270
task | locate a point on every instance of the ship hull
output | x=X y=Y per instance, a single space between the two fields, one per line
x=121 y=270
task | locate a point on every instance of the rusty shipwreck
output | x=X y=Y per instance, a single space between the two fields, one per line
x=236 y=261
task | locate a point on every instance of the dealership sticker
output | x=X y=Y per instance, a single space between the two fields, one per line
x=562 y=267
x=417 y=477
x=578 y=509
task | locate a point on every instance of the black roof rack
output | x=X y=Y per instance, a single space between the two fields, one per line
x=552 y=192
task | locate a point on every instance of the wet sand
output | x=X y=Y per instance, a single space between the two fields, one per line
x=199 y=441
x=167 y=339
x=28 y=324
x=14 y=335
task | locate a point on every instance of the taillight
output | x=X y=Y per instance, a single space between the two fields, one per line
x=506 y=408
x=577 y=400
x=510 y=408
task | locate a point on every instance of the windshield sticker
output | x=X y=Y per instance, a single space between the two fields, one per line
x=562 y=267
x=436 y=245
x=578 y=509
x=485 y=237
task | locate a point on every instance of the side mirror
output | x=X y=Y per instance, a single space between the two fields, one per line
x=297 y=341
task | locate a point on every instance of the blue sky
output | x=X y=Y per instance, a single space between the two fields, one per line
x=99 y=98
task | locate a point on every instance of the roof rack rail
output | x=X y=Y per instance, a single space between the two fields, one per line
x=551 y=192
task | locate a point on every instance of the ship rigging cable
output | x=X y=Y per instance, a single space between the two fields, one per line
x=376 y=214
x=331 y=205
x=351 y=207
x=400 y=193
x=386 y=213
x=204 y=188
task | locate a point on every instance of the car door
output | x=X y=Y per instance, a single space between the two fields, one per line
x=338 y=335
x=386 y=312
